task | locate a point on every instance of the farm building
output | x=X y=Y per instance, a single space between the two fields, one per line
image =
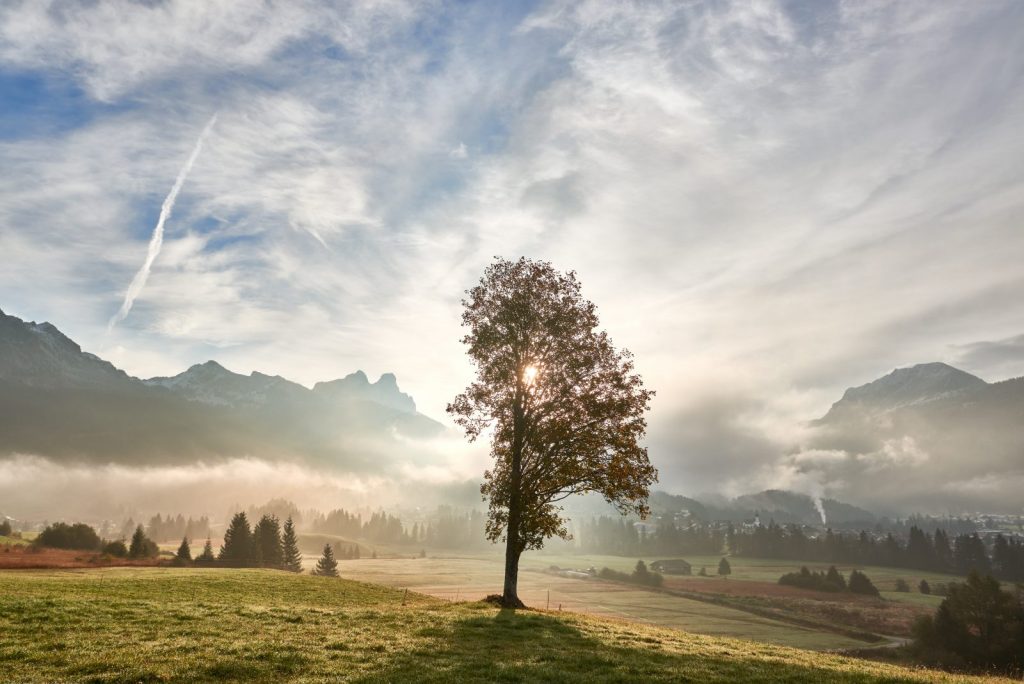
x=675 y=566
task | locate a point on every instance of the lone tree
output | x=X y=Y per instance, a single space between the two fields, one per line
x=292 y=559
x=327 y=566
x=724 y=569
x=564 y=409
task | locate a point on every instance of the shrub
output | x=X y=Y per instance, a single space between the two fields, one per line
x=924 y=587
x=118 y=549
x=902 y=586
x=5 y=528
x=79 y=536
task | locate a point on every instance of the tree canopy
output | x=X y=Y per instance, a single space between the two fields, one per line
x=563 y=407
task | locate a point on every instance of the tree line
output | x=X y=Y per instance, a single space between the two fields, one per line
x=922 y=551
x=82 y=537
x=446 y=529
x=265 y=545
x=620 y=537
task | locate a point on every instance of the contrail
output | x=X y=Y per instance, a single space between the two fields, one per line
x=157 y=241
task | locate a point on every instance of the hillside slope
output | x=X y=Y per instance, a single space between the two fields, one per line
x=251 y=625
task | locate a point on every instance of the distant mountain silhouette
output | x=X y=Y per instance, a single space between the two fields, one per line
x=784 y=507
x=61 y=402
x=929 y=435
x=923 y=383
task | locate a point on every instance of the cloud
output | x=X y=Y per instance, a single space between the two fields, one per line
x=768 y=202
x=1005 y=355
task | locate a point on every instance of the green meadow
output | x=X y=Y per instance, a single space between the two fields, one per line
x=188 y=625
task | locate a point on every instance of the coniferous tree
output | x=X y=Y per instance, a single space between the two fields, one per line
x=724 y=569
x=142 y=546
x=291 y=559
x=237 y=550
x=860 y=584
x=834 y=577
x=184 y=554
x=327 y=566
x=206 y=557
x=267 y=540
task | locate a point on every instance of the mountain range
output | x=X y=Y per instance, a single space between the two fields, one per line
x=929 y=437
x=61 y=402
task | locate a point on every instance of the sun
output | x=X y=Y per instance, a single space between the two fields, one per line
x=530 y=375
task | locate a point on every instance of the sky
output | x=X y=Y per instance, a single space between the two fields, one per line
x=768 y=201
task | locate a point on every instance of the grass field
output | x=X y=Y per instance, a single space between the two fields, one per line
x=185 y=625
x=749 y=605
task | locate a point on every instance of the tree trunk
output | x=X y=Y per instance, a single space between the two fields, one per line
x=510 y=593
x=513 y=546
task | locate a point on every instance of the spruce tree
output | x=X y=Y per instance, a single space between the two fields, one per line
x=142 y=546
x=291 y=558
x=833 y=577
x=724 y=569
x=327 y=566
x=238 y=547
x=267 y=539
x=860 y=584
x=206 y=557
x=184 y=551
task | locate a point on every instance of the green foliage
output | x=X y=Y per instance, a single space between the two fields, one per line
x=724 y=569
x=267 y=542
x=117 y=548
x=5 y=528
x=817 y=581
x=184 y=554
x=291 y=559
x=238 y=548
x=327 y=566
x=978 y=625
x=78 y=536
x=924 y=587
x=860 y=584
x=902 y=586
x=142 y=546
x=564 y=407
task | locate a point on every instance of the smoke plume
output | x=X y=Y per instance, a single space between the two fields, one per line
x=157 y=240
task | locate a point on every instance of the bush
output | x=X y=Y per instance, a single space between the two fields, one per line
x=902 y=586
x=860 y=584
x=5 y=528
x=116 y=549
x=79 y=536
x=817 y=581
x=924 y=587
x=641 y=575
